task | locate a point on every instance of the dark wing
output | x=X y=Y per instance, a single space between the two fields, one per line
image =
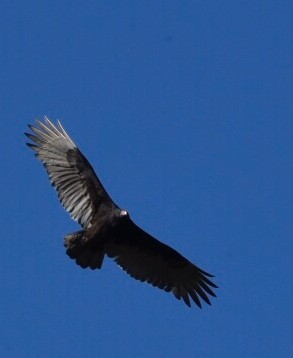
x=147 y=259
x=79 y=189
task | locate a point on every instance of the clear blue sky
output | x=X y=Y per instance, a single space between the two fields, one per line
x=185 y=110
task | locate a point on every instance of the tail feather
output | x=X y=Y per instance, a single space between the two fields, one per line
x=81 y=249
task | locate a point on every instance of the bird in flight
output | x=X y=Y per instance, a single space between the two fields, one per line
x=107 y=229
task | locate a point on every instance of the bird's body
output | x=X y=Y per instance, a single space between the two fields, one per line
x=108 y=230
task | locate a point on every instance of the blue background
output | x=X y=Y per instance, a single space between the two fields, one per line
x=184 y=108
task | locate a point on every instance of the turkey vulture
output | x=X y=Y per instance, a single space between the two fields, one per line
x=107 y=229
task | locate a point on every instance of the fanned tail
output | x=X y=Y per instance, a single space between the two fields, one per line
x=82 y=250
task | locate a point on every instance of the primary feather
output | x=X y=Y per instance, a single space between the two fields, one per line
x=108 y=230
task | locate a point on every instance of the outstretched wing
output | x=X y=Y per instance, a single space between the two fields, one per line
x=149 y=260
x=79 y=189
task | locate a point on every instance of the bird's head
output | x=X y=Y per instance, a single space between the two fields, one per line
x=121 y=213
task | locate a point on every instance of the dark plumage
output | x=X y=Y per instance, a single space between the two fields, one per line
x=108 y=230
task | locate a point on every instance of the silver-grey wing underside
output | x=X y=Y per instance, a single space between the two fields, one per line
x=79 y=189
